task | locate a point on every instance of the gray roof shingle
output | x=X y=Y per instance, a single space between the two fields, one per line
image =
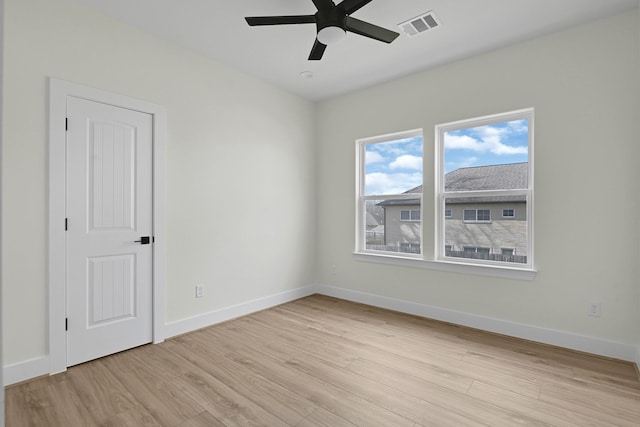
x=493 y=177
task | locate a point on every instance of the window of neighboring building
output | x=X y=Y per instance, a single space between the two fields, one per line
x=477 y=215
x=389 y=194
x=410 y=215
x=483 y=164
x=448 y=213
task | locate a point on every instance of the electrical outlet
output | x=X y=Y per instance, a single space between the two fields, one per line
x=199 y=291
x=594 y=309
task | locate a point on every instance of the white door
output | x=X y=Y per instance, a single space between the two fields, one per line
x=109 y=219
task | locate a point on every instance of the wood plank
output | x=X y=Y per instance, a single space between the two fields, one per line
x=224 y=403
x=204 y=419
x=323 y=418
x=353 y=408
x=288 y=406
x=152 y=387
x=102 y=394
x=135 y=417
x=320 y=361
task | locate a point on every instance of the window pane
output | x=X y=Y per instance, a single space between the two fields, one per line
x=393 y=167
x=491 y=160
x=387 y=231
x=468 y=238
x=490 y=157
x=484 y=215
x=469 y=214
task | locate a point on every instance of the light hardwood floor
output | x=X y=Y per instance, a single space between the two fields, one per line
x=320 y=361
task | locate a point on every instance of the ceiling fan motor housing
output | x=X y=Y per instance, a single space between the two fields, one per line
x=331 y=17
x=331 y=24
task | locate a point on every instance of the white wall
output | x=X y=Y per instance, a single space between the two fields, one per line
x=240 y=178
x=584 y=86
x=1 y=85
x=638 y=281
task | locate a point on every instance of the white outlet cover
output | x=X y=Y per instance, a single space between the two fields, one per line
x=199 y=291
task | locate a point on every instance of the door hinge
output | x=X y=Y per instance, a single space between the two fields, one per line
x=66 y=323
x=66 y=123
x=66 y=224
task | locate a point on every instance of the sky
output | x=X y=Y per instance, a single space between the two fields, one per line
x=396 y=166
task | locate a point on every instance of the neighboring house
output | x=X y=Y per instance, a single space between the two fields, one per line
x=480 y=227
x=375 y=224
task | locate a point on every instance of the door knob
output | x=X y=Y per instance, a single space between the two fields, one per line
x=144 y=240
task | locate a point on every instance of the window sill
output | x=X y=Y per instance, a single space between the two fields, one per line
x=498 y=271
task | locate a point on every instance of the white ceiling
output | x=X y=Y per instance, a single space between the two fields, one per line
x=278 y=54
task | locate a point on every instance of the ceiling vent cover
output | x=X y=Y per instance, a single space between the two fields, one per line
x=420 y=24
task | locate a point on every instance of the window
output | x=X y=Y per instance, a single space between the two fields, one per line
x=477 y=215
x=389 y=194
x=481 y=197
x=484 y=164
x=410 y=215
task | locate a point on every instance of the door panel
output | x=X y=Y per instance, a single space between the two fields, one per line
x=109 y=207
x=111 y=171
x=111 y=287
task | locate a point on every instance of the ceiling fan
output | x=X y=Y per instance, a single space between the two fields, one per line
x=332 y=23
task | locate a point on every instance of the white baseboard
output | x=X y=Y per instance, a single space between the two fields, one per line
x=533 y=333
x=22 y=371
x=211 y=318
x=638 y=361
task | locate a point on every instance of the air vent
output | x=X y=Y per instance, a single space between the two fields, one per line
x=420 y=24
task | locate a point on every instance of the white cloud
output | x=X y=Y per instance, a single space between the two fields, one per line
x=397 y=183
x=490 y=140
x=407 y=161
x=373 y=157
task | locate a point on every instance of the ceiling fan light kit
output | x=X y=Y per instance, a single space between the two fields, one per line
x=331 y=35
x=332 y=24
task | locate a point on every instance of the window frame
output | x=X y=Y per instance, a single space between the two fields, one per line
x=432 y=251
x=362 y=198
x=441 y=195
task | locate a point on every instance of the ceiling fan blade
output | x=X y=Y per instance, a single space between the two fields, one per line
x=351 y=6
x=280 y=20
x=369 y=30
x=317 y=51
x=322 y=3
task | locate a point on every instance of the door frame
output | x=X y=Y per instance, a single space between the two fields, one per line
x=59 y=90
